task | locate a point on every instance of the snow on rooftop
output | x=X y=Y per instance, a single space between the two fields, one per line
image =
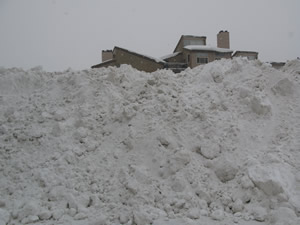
x=207 y=48
x=170 y=55
x=158 y=60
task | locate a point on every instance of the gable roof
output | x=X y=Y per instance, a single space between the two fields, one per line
x=160 y=61
x=170 y=55
x=110 y=62
x=188 y=36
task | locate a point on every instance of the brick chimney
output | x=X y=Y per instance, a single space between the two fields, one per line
x=223 y=39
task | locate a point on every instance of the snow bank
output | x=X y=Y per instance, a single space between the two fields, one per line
x=215 y=144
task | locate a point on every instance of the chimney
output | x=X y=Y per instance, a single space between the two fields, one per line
x=107 y=55
x=223 y=39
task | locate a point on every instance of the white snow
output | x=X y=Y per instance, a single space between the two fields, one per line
x=118 y=146
x=207 y=48
x=170 y=55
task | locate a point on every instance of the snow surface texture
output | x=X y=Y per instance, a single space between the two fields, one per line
x=207 y=48
x=218 y=144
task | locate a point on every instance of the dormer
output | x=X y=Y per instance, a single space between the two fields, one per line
x=186 y=40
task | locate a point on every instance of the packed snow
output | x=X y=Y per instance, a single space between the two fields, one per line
x=217 y=144
x=207 y=48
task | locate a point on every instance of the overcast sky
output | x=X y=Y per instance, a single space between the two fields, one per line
x=58 y=34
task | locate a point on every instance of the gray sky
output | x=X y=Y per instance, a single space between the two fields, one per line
x=58 y=34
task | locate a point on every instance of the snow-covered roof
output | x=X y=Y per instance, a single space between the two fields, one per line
x=142 y=55
x=207 y=48
x=187 y=36
x=104 y=63
x=170 y=55
x=245 y=52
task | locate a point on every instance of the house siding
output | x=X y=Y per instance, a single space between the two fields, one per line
x=211 y=56
x=178 y=59
x=137 y=61
x=107 y=55
x=180 y=45
x=106 y=64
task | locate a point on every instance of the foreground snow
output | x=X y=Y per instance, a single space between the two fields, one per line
x=218 y=144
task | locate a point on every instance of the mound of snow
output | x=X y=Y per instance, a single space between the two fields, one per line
x=215 y=144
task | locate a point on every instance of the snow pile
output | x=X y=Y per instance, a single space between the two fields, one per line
x=218 y=144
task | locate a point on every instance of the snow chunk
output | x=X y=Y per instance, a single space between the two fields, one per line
x=283 y=215
x=29 y=209
x=194 y=213
x=45 y=215
x=100 y=220
x=259 y=213
x=268 y=179
x=209 y=151
x=217 y=214
x=140 y=217
x=4 y=216
x=178 y=185
x=225 y=169
x=260 y=106
x=284 y=87
x=60 y=115
x=30 y=219
x=238 y=206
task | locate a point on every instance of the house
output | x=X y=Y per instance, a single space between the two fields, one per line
x=190 y=51
x=193 y=51
x=249 y=55
x=277 y=65
x=119 y=56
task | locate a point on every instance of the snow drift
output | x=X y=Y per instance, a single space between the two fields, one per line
x=215 y=144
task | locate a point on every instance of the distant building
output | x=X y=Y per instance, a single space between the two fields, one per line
x=249 y=55
x=277 y=65
x=190 y=51
x=121 y=56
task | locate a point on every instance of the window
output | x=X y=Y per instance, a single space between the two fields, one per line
x=202 y=60
x=188 y=58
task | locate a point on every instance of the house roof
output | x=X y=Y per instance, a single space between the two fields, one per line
x=107 y=62
x=207 y=48
x=140 y=55
x=188 y=36
x=247 y=52
x=170 y=55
